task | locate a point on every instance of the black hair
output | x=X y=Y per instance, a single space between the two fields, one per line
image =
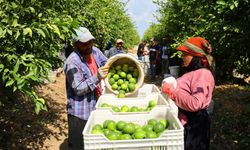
x=68 y=49
x=195 y=64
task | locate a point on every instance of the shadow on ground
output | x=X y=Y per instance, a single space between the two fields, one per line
x=22 y=129
x=230 y=125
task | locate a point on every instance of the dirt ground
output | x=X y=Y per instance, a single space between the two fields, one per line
x=22 y=129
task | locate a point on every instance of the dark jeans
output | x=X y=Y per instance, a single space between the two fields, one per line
x=152 y=69
x=165 y=65
x=75 y=129
x=197 y=130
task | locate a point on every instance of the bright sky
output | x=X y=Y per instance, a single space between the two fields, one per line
x=141 y=12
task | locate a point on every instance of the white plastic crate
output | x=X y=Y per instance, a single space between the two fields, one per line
x=140 y=102
x=145 y=90
x=171 y=139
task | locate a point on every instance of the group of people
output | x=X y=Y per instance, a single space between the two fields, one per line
x=158 y=57
x=84 y=70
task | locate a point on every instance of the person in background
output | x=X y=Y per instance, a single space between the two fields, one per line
x=193 y=92
x=165 y=60
x=117 y=49
x=140 y=50
x=153 y=57
x=84 y=70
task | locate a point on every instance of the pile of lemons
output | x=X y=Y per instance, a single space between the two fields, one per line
x=123 y=78
x=125 y=108
x=122 y=130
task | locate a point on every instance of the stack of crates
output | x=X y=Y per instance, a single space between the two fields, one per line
x=170 y=139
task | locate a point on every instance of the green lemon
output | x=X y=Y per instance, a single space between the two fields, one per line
x=105 y=123
x=134 y=109
x=151 y=134
x=131 y=86
x=129 y=128
x=118 y=67
x=132 y=80
x=122 y=91
x=164 y=122
x=123 y=75
x=96 y=131
x=158 y=127
x=115 y=109
x=139 y=134
x=106 y=131
x=152 y=103
x=111 y=81
x=125 y=137
x=112 y=135
x=120 y=125
x=152 y=122
x=109 y=75
x=135 y=73
x=131 y=68
x=97 y=126
x=114 y=86
x=121 y=95
x=124 y=108
x=124 y=86
x=105 y=105
x=129 y=75
x=116 y=77
x=111 y=125
x=125 y=68
x=147 y=128
x=120 y=82
x=112 y=71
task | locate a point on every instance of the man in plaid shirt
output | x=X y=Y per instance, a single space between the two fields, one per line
x=84 y=70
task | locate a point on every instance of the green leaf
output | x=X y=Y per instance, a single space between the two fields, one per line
x=17 y=35
x=40 y=15
x=32 y=10
x=56 y=30
x=38 y=108
x=9 y=31
x=14 y=23
x=27 y=31
x=16 y=67
x=9 y=83
x=14 y=88
x=232 y=7
x=1 y=67
x=39 y=31
x=41 y=100
x=221 y=2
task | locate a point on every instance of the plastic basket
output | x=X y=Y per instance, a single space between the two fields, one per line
x=171 y=139
x=141 y=102
x=145 y=90
x=120 y=59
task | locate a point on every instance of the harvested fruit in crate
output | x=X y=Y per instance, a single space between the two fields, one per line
x=122 y=130
x=125 y=108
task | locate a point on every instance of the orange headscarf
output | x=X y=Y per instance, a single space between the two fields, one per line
x=198 y=46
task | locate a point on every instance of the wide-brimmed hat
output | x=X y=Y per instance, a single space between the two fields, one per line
x=82 y=35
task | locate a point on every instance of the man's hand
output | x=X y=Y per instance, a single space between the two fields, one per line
x=102 y=72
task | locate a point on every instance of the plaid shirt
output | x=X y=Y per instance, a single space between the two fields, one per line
x=81 y=84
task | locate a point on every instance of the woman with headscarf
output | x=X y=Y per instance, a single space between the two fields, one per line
x=193 y=92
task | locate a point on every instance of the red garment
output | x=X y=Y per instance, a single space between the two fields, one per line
x=194 y=91
x=93 y=67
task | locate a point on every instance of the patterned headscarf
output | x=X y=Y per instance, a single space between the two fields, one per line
x=198 y=46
